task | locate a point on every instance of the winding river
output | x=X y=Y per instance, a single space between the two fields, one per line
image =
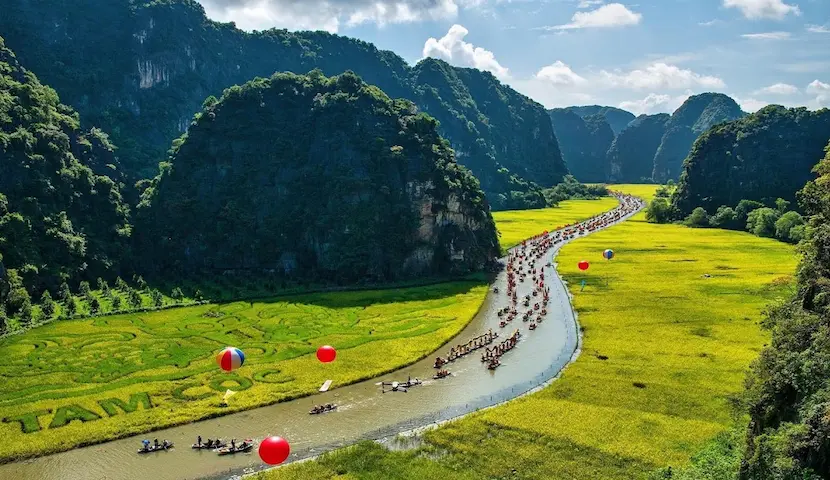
x=364 y=412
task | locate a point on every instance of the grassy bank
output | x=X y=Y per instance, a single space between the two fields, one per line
x=670 y=325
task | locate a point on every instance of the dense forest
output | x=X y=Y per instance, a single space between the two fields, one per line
x=789 y=388
x=584 y=142
x=340 y=182
x=61 y=212
x=761 y=157
x=141 y=69
x=630 y=157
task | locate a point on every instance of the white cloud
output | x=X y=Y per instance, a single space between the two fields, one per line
x=709 y=23
x=611 y=15
x=589 y=3
x=329 y=15
x=751 y=105
x=767 y=36
x=822 y=92
x=758 y=9
x=559 y=74
x=777 y=89
x=655 y=103
x=660 y=76
x=818 y=87
x=452 y=48
x=818 y=29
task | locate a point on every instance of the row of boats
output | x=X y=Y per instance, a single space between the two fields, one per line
x=218 y=446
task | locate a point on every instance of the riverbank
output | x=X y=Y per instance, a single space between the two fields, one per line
x=669 y=328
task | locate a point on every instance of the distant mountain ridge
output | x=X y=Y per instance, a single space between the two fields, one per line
x=141 y=70
x=645 y=148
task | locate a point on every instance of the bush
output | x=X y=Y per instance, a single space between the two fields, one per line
x=71 y=307
x=659 y=211
x=785 y=225
x=698 y=218
x=743 y=209
x=157 y=297
x=134 y=298
x=116 y=302
x=94 y=305
x=761 y=222
x=725 y=217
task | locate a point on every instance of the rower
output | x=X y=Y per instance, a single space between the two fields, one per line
x=156 y=442
x=199 y=440
x=233 y=443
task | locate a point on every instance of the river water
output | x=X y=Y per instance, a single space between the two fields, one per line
x=364 y=411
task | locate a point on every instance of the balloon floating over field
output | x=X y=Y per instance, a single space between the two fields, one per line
x=274 y=450
x=230 y=359
x=583 y=265
x=608 y=254
x=326 y=353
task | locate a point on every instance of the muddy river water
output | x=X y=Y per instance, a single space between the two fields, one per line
x=364 y=411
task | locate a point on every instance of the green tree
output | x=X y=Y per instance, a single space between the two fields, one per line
x=116 y=302
x=781 y=205
x=64 y=294
x=94 y=305
x=18 y=296
x=103 y=286
x=139 y=281
x=157 y=297
x=743 y=209
x=698 y=218
x=723 y=218
x=785 y=224
x=177 y=294
x=25 y=313
x=198 y=295
x=761 y=222
x=121 y=285
x=659 y=211
x=83 y=288
x=70 y=307
x=4 y=319
x=134 y=298
x=47 y=305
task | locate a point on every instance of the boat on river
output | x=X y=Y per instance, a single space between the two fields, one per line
x=156 y=448
x=243 y=447
x=209 y=445
x=318 y=409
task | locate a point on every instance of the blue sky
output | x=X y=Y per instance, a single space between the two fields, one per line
x=645 y=56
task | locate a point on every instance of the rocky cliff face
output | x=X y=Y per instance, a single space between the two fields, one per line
x=631 y=156
x=315 y=177
x=140 y=70
x=585 y=143
x=617 y=118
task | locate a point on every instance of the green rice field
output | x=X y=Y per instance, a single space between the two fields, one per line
x=670 y=326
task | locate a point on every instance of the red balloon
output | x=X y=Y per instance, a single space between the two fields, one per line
x=274 y=450
x=326 y=354
x=583 y=265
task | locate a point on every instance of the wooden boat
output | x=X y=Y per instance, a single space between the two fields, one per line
x=532 y=326
x=318 y=409
x=502 y=324
x=212 y=446
x=245 y=446
x=153 y=448
x=441 y=374
x=493 y=364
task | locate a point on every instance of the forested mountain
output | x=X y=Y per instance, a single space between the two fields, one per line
x=631 y=156
x=140 y=70
x=584 y=143
x=617 y=118
x=61 y=211
x=697 y=114
x=788 y=396
x=339 y=181
x=764 y=156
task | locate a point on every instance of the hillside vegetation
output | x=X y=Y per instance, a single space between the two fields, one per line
x=141 y=69
x=340 y=182
x=62 y=216
x=762 y=157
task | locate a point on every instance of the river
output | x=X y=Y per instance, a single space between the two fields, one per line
x=364 y=411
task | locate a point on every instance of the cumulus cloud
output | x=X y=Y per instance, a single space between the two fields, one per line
x=589 y=3
x=655 y=103
x=452 y=48
x=559 y=74
x=767 y=36
x=758 y=9
x=329 y=15
x=751 y=105
x=777 y=89
x=818 y=29
x=822 y=92
x=660 y=76
x=818 y=87
x=611 y=15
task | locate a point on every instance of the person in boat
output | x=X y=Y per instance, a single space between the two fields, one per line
x=165 y=444
x=155 y=443
x=146 y=444
x=233 y=444
x=199 y=441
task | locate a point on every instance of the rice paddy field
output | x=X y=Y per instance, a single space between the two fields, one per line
x=670 y=326
x=76 y=382
x=514 y=226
